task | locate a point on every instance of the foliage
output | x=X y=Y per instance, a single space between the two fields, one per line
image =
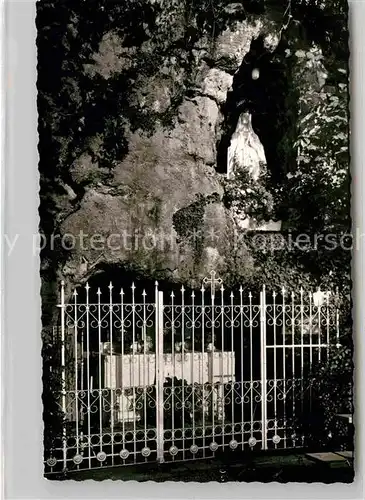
x=287 y=259
x=333 y=393
x=188 y=222
x=190 y=218
x=313 y=196
x=322 y=171
x=320 y=181
x=75 y=106
x=303 y=124
x=52 y=414
x=325 y=22
x=249 y=197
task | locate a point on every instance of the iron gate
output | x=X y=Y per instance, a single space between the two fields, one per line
x=185 y=375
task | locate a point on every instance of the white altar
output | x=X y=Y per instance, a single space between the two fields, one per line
x=132 y=371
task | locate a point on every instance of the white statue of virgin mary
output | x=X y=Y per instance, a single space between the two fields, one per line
x=245 y=150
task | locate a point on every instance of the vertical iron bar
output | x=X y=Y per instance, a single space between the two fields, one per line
x=212 y=365
x=82 y=364
x=160 y=378
x=100 y=382
x=174 y=367
x=301 y=352
x=319 y=326
x=144 y=334
x=222 y=366
x=113 y=361
x=263 y=368
x=182 y=366
x=193 y=361
x=241 y=364
x=122 y=370
x=88 y=370
x=203 y=386
x=275 y=367
x=82 y=380
x=63 y=375
x=293 y=352
x=134 y=346
x=337 y=321
x=251 y=364
x=310 y=330
x=328 y=324
x=233 y=377
x=310 y=349
x=284 y=364
x=76 y=374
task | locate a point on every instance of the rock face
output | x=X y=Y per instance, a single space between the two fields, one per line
x=160 y=209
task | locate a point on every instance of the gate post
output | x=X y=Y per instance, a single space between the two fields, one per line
x=63 y=374
x=160 y=376
x=263 y=367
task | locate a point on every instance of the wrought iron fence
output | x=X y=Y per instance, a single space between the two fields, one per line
x=185 y=376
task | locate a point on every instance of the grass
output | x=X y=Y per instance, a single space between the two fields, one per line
x=262 y=468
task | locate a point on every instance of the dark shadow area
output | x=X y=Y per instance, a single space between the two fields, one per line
x=280 y=467
x=123 y=278
x=270 y=101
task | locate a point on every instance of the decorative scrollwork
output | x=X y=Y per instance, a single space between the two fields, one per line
x=252 y=442
x=276 y=439
x=247 y=427
x=51 y=462
x=146 y=452
x=173 y=450
x=124 y=454
x=213 y=446
x=101 y=456
x=77 y=459
x=233 y=444
x=271 y=424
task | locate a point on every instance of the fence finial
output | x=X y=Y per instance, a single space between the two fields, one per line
x=212 y=281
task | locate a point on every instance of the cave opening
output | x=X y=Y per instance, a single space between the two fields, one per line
x=261 y=87
x=123 y=278
x=140 y=323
